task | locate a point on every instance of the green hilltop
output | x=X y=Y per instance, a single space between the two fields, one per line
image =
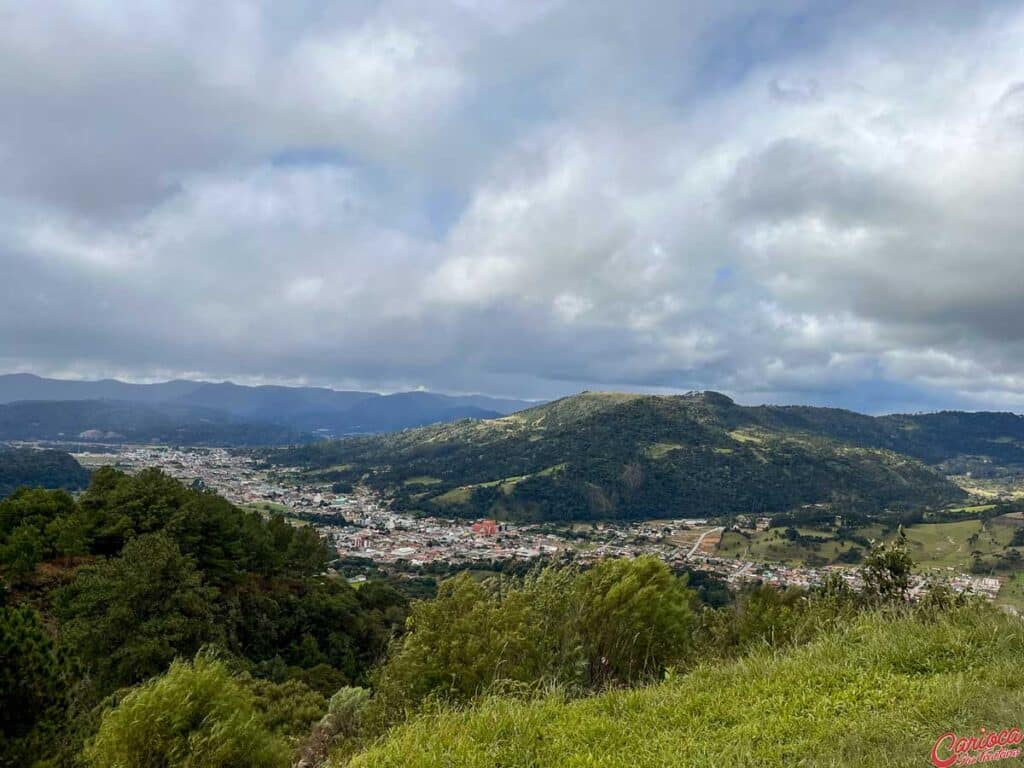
x=31 y=467
x=626 y=456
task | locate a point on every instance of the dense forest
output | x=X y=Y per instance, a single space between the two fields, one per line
x=31 y=468
x=930 y=437
x=106 y=591
x=606 y=456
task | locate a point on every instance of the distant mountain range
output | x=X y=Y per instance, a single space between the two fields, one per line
x=608 y=455
x=196 y=412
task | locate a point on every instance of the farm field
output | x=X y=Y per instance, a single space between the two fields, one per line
x=773 y=545
x=931 y=544
x=268 y=508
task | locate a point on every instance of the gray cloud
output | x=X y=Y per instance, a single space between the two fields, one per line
x=789 y=202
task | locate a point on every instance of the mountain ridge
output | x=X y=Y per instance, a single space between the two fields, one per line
x=621 y=455
x=299 y=413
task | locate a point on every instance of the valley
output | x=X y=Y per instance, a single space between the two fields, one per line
x=972 y=554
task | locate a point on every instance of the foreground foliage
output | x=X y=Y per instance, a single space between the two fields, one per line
x=194 y=716
x=618 y=623
x=878 y=692
x=164 y=627
x=141 y=571
x=33 y=685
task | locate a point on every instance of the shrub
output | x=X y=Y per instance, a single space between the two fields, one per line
x=620 y=622
x=195 y=715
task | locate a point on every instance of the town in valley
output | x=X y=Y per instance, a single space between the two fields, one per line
x=359 y=523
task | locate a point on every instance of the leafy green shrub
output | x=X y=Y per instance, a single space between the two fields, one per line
x=195 y=715
x=620 y=622
x=634 y=619
x=886 y=571
x=289 y=708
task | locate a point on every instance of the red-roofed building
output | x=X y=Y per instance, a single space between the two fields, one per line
x=485 y=527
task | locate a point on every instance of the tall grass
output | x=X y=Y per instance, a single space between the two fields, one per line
x=876 y=692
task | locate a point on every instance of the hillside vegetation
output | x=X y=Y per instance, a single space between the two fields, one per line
x=28 y=467
x=145 y=623
x=602 y=455
x=931 y=437
x=106 y=591
x=877 y=693
x=116 y=421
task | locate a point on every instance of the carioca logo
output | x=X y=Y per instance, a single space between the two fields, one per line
x=951 y=749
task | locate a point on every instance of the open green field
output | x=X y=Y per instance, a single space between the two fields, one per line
x=1005 y=487
x=325 y=471
x=267 y=507
x=422 y=480
x=773 y=546
x=462 y=494
x=1012 y=593
x=946 y=546
x=932 y=545
x=951 y=544
x=876 y=693
x=973 y=508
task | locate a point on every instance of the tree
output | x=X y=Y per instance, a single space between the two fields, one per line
x=635 y=618
x=22 y=552
x=33 y=685
x=886 y=571
x=195 y=716
x=30 y=522
x=619 y=622
x=459 y=644
x=761 y=615
x=127 y=618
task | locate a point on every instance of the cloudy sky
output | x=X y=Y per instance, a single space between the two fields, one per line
x=787 y=201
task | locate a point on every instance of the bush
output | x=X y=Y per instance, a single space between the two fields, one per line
x=886 y=571
x=196 y=715
x=620 y=622
x=876 y=691
x=635 y=618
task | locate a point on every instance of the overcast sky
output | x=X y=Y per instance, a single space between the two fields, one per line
x=788 y=201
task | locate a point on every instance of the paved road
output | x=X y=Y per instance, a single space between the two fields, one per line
x=700 y=539
x=746 y=567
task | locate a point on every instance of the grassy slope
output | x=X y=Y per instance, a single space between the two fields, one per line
x=876 y=694
x=773 y=546
x=932 y=545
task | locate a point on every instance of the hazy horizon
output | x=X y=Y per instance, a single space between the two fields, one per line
x=527 y=401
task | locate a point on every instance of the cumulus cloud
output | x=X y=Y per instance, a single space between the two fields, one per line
x=790 y=202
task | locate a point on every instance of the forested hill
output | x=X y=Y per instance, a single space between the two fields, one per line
x=31 y=468
x=120 y=421
x=604 y=455
x=931 y=437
